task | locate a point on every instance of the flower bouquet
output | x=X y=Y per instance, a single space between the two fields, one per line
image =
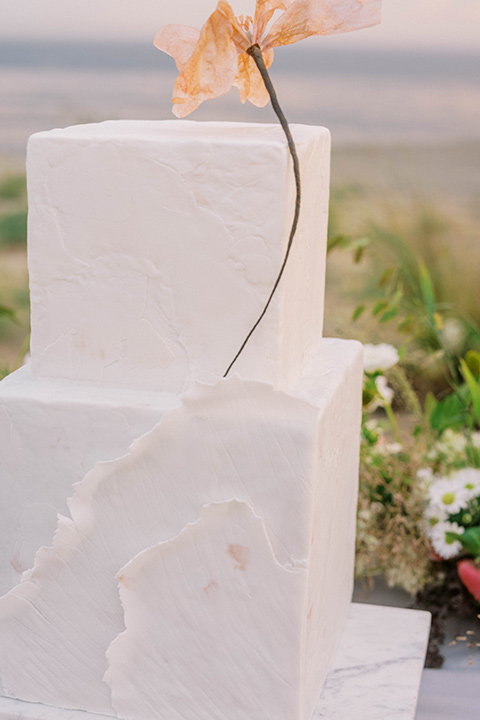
x=453 y=517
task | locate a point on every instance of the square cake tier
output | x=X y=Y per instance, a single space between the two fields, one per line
x=52 y=432
x=153 y=247
x=205 y=573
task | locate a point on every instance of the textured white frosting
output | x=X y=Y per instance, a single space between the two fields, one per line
x=52 y=433
x=153 y=247
x=201 y=565
x=241 y=501
x=376 y=670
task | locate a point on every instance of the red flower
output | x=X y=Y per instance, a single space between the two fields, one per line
x=469 y=574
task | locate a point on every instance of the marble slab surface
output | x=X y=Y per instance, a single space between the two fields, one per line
x=378 y=666
x=375 y=676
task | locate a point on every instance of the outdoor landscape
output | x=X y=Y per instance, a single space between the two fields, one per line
x=403 y=268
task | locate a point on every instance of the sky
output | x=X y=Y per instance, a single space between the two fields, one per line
x=421 y=24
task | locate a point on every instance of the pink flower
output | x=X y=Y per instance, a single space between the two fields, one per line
x=469 y=573
x=213 y=59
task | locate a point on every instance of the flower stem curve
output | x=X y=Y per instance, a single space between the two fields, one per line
x=255 y=52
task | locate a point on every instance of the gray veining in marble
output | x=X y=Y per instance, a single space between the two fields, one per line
x=376 y=671
x=378 y=666
x=19 y=710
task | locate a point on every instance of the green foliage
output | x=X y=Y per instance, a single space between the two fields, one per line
x=461 y=407
x=390 y=538
x=347 y=242
x=450 y=412
x=13 y=229
x=428 y=295
x=358 y=312
x=470 y=540
x=13 y=187
x=420 y=266
x=7 y=312
x=14 y=297
x=474 y=388
x=437 y=382
x=21 y=298
x=8 y=318
x=436 y=342
x=472 y=361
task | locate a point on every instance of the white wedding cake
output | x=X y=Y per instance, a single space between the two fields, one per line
x=176 y=545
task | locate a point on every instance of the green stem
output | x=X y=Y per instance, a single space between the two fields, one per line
x=255 y=52
x=393 y=422
x=399 y=380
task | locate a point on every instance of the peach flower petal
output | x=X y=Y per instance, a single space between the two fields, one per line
x=264 y=12
x=212 y=67
x=322 y=17
x=178 y=41
x=214 y=59
x=249 y=81
x=239 y=36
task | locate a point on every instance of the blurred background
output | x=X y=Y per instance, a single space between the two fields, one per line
x=402 y=101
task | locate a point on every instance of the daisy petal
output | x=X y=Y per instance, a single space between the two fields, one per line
x=322 y=17
x=178 y=41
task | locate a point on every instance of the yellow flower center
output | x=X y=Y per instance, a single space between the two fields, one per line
x=448 y=498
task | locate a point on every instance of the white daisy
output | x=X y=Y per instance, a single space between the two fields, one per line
x=394 y=448
x=468 y=481
x=374 y=426
x=448 y=494
x=384 y=390
x=379 y=357
x=454 y=335
x=444 y=545
x=435 y=514
x=454 y=440
x=424 y=478
x=383 y=397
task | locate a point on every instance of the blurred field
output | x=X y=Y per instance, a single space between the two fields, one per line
x=410 y=202
x=14 y=302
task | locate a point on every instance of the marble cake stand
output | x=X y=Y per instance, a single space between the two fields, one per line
x=375 y=675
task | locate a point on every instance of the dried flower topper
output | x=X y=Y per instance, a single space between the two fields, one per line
x=213 y=59
x=231 y=50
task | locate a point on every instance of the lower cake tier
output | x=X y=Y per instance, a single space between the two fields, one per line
x=205 y=573
x=375 y=673
x=52 y=433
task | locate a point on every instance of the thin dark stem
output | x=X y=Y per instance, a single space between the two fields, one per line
x=256 y=54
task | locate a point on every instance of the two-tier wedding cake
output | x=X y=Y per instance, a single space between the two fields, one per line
x=176 y=545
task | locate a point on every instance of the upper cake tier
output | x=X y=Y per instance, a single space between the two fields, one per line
x=153 y=247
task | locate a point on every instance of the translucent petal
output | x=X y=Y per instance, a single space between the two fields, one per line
x=249 y=81
x=211 y=69
x=321 y=17
x=264 y=11
x=239 y=36
x=178 y=41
